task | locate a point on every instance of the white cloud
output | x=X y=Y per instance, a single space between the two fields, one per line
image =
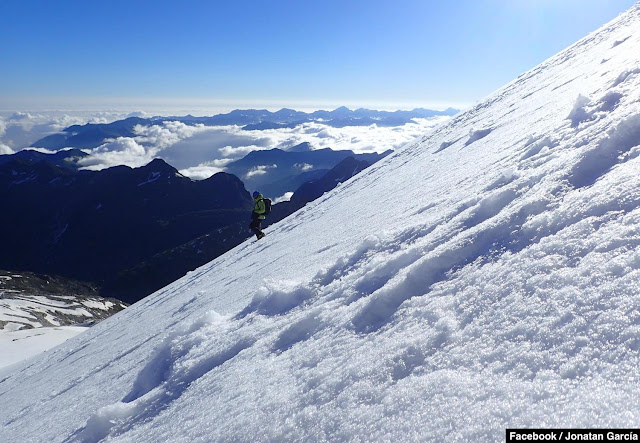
x=239 y=151
x=42 y=150
x=325 y=133
x=355 y=138
x=169 y=133
x=122 y=151
x=21 y=129
x=259 y=170
x=4 y=149
x=20 y=116
x=205 y=170
x=148 y=143
x=303 y=166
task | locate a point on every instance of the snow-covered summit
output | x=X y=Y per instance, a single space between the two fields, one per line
x=484 y=276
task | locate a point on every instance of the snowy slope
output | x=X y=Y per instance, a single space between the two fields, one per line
x=19 y=345
x=484 y=276
x=38 y=312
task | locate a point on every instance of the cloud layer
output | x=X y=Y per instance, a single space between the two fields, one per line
x=200 y=151
x=4 y=149
x=19 y=129
x=356 y=138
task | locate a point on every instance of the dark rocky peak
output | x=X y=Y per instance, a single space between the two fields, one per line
x=159 y=165
x=227 y=189
x=158 y=171
x=50 y=170
x=222 y=177
x=115 y=170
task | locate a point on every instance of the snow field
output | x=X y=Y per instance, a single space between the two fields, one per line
x=485 y=276
x=17 y=345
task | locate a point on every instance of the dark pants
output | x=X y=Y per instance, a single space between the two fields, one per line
x=255 y=227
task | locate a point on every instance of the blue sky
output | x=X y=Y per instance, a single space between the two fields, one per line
x=301 y=54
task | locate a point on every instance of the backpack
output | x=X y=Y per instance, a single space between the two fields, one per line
x=267 y=206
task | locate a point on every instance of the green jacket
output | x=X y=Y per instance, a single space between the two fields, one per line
x=259 y=206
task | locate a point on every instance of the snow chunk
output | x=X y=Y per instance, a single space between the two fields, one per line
x=578 y=114
x=477 y=134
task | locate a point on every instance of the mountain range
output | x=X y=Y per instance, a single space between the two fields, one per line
x=93 y=135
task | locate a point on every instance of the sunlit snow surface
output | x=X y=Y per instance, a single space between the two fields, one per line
x=485 y=276
x=19 y=345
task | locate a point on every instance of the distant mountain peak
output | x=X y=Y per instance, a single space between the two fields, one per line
x=341 y=110
x=285 y=111
x=302 y=147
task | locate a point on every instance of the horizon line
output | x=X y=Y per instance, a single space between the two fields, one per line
x=156 y=106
